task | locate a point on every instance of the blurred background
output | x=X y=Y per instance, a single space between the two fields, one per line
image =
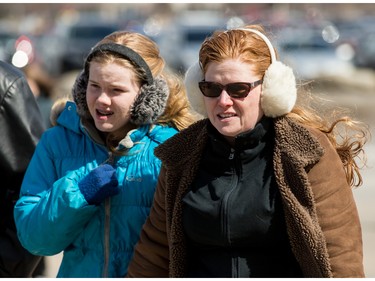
x=331 y=47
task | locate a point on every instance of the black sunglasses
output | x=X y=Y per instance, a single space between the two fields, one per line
x=235 y=90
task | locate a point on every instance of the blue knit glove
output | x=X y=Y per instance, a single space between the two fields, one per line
x=99 y=184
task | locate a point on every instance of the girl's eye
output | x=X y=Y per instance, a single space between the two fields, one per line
x=119 y=90
x=94 y=86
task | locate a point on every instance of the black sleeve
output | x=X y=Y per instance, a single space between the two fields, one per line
x=21 y=126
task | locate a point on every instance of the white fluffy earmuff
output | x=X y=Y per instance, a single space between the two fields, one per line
x=279 y=91
x=193 y=76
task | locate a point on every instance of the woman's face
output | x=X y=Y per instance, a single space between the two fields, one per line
x=111 y=92
x=233 y=116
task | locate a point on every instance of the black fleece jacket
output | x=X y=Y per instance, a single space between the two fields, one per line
x=232 y=217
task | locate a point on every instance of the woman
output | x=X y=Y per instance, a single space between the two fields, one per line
x=260 y=188
x=90 y=184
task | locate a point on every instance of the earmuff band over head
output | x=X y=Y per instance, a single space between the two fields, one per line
x=125 y=52
x=265 y=39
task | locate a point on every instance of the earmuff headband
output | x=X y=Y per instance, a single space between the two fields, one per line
x=265 y=39
x=125 y=52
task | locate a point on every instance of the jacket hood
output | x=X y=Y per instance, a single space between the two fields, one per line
x=56 y=109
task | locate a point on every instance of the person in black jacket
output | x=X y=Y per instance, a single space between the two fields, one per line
x=21 y=126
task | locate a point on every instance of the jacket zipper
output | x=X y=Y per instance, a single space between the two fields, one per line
x=231 y=155
x=107 y=224
x=226 y=199
x=107 y=220
x=237 y=170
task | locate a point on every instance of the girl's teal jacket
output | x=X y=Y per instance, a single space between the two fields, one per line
x=53 y=216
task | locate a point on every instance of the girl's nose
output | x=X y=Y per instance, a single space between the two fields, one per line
x=104 y=98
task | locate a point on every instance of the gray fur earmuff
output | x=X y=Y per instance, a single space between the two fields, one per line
x=79 y=94
x=151 y=101
x=279 y=91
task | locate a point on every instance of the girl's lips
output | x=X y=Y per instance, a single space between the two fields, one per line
x=103 y=115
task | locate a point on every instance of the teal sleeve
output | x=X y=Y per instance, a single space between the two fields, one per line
x=51 y=211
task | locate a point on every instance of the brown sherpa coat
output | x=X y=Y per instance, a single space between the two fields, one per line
x=321 y=215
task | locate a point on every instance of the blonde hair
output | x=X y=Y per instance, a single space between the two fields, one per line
x=346 y=135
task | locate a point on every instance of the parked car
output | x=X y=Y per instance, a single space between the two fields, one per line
x=365 y=50
x=310 y=56
x=180 y=42
x=7 y=41
x=76 y=40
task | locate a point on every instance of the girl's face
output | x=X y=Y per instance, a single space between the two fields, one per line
x=233 y=116
x=111 y=92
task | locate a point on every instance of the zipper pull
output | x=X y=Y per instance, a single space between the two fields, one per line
x=231 y=155
x=111 y=158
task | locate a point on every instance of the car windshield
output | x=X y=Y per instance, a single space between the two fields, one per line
x=291 y=46
x=196 y=35
x=90 y=32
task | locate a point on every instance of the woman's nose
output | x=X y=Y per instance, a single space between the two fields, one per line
x=224 y=98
